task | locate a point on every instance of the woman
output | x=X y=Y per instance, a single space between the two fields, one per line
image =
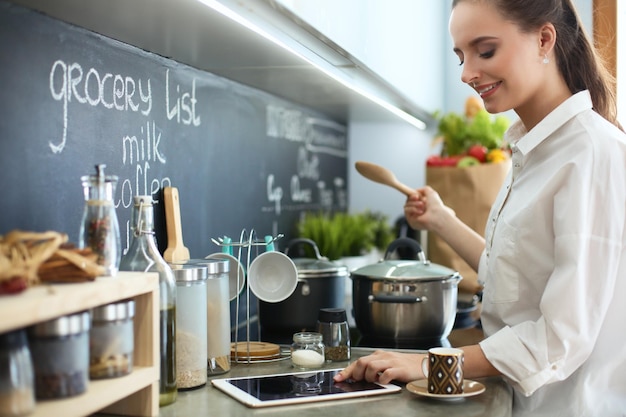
x=552 y=260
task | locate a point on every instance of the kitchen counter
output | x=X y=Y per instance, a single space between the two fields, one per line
x=495 y=401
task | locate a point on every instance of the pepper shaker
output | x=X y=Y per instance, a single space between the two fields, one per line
x=332 y=324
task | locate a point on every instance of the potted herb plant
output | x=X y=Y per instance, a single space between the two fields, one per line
x=342 y=235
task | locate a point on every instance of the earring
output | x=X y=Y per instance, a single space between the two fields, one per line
x=546 y=60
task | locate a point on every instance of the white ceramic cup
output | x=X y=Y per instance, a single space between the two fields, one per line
x=236 y=274
x=272 y=276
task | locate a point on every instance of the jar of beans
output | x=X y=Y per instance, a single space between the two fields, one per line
x=60 y=352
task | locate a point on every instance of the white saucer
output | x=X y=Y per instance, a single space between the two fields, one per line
x=470 y=388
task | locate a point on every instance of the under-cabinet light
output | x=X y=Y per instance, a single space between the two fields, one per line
x=224 y=10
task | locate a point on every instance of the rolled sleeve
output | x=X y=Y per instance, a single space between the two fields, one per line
x=518 y=365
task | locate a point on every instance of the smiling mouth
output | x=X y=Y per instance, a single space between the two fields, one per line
x=489 y=88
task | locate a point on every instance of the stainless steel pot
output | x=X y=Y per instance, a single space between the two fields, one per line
x=404 y=300
x=321 y=284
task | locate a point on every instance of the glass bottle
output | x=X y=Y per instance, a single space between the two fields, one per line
x=99 y=229
x=143 y=255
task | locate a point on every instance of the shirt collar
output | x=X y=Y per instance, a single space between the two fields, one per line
x=526 y=141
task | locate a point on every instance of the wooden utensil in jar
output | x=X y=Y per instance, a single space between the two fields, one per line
x=176 y=250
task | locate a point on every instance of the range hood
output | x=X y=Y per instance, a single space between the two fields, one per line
x=258 y=43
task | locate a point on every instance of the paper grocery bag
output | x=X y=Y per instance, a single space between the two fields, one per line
x=470 y=192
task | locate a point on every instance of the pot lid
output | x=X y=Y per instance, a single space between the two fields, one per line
x=312 y=268
x=419 y=269
x=318 y=267
x=406 y=270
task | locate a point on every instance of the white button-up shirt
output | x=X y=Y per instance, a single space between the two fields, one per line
x=554 y=266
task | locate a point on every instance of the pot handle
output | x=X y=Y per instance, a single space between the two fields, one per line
x=395 y=299
x=411 y=244
x=298 y=241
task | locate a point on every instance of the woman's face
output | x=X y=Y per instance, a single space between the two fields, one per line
x=499 y=61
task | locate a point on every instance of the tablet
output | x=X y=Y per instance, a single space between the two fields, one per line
x=296 y=388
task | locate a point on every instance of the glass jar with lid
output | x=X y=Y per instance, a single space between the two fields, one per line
x=60 y=353
x=17 y=393
x=307 y=350
x=111 y=338
x=218 y=315
x=191 y=336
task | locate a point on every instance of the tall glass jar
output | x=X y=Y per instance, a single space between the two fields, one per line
x=17 y=391
x=99 y=229
x=143 y=255
x=191 y=337
x=218 y=315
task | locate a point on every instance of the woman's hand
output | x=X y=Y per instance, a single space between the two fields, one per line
x=425 y=210
x=383 y=367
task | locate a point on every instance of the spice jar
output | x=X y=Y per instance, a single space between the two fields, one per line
x=191 y=337
x=307 y=350
x=17 y=394
x=60 y=352
x=111 y=340
x=144 y=256
x=99 y=229
x=332 y=323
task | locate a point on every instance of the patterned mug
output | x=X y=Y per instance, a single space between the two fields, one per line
x=444 y=369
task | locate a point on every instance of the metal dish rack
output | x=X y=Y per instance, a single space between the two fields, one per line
x=247 y=241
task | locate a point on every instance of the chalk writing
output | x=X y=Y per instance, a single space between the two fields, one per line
x=183 y=108
x=318 y=135
x=69 y=82
x=274 y=194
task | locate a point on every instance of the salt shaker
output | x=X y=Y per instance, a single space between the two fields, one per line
x=332 y=324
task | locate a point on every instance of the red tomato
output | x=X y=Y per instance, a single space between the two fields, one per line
x=451 y=161
x=434 y=161
x=479 y=152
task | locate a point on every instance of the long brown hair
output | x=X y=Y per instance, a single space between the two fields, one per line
x=579 y=63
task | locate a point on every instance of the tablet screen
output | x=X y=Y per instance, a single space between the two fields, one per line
x=297 y=387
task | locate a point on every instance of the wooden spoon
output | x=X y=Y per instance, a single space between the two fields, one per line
x=176 y=250
x=382 y=175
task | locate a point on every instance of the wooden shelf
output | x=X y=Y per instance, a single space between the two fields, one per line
x=136 y=394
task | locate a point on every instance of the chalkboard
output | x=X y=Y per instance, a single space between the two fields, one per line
x=240 y=158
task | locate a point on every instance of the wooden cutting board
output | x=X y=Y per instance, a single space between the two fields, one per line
x=176 y=250
x=257 y=350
